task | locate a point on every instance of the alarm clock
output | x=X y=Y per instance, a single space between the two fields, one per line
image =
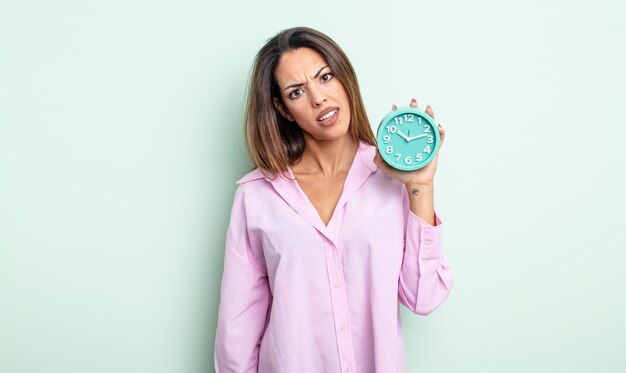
x=408 y=138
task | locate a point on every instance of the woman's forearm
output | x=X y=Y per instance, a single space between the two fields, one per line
x=421 y=201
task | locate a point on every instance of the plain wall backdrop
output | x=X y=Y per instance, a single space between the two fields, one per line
x=121 y=141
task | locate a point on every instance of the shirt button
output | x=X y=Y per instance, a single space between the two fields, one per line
x=343 y=327
x=337 y=285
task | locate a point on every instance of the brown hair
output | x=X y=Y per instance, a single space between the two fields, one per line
x=273 y=142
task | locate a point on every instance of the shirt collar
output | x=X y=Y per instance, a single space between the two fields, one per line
x=287 y=187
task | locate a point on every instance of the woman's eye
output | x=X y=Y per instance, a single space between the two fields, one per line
x=326 y=77
x=295 y=94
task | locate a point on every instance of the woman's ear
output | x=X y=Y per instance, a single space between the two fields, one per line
x=282 y=109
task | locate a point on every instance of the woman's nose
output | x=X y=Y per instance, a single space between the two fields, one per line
x=317 y=97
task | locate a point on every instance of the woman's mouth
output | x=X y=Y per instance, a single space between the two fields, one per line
x=329 y=118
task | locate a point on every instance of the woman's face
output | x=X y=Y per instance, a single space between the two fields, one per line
x=312 y=96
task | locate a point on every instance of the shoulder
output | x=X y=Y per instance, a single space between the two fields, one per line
x=257 y=182
x=364 y=159
x=366 y=154
x=249 y=188
x=251 y=184
x=255 y=191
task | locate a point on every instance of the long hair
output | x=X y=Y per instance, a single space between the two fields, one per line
x=273 y=142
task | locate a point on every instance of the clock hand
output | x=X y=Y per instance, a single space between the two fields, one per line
x=416 y=137
x=403 y=136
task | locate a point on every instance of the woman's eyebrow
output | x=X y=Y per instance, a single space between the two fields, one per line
x=300 y=84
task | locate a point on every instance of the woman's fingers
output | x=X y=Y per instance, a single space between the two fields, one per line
x=429 y=111
x=442 y=133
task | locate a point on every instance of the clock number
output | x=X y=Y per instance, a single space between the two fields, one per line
x=392 y=129
x=418 y=157
x=408 y=160
x=389 y=149
x=398 y=120
x=419 y=120
x=426 y=128
x=427 y=149
x=398 y=156
x=430 y=139
x=386 y=138
x=408 y=117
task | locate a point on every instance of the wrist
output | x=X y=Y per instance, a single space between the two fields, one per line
x=420 y=186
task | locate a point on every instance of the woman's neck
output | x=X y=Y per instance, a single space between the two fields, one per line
x=326 y=157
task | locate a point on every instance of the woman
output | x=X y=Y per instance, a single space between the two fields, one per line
x=321 y=244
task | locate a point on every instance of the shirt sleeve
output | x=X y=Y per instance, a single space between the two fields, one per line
x=245 y=298
x=425 y=277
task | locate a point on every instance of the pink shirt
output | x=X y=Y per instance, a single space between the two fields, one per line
x=300 y=296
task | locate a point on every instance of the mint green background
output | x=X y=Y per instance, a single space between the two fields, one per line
x=120 y=142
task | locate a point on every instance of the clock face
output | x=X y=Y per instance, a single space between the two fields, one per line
x=408 y=138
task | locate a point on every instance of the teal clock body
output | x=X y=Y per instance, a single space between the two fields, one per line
x=408 y=138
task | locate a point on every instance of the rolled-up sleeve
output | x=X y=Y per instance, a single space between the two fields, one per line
x=425 y=277
x=245 y=299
